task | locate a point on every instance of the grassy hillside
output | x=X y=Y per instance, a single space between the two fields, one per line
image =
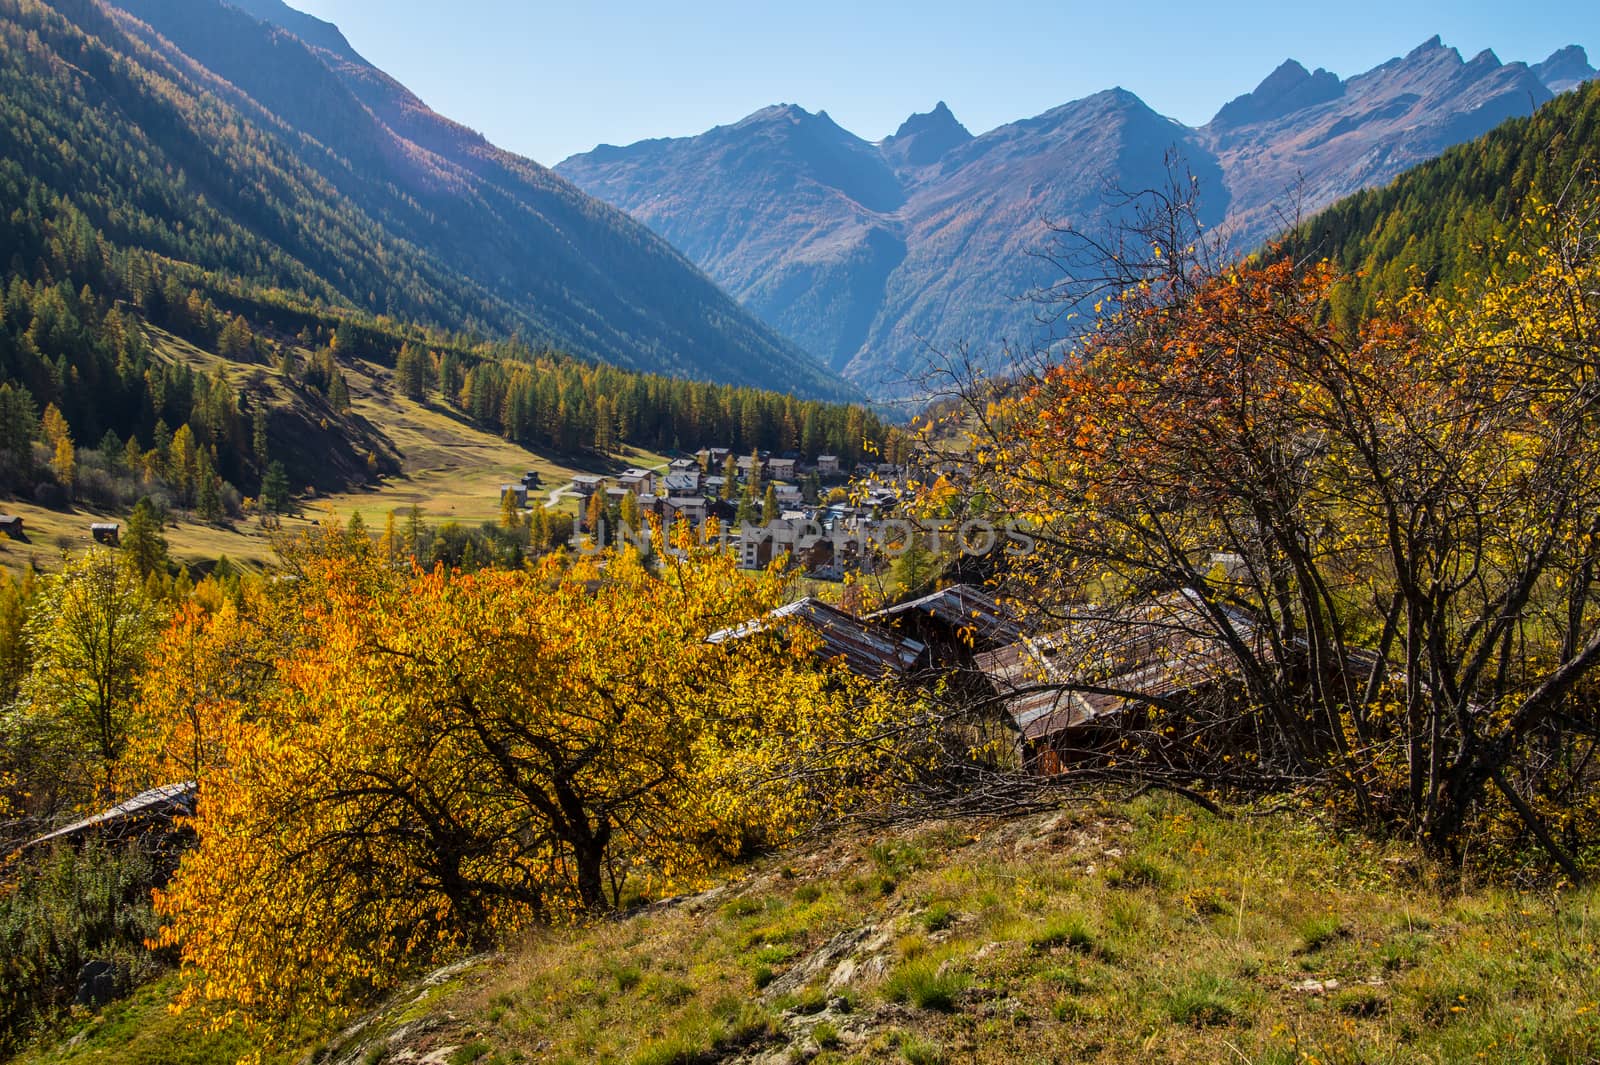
x=1140 y=932
x=431 y=457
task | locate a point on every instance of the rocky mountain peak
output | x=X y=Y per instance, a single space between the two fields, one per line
x=925 y=138
x=1566 y=69
x=1291 y=87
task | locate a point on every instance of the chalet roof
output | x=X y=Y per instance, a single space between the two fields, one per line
x=962 y=607
x=686 y=502
x=1167 y=646
x=865 y=649
x=164 y=801
x=104 y=526
x=681 y=483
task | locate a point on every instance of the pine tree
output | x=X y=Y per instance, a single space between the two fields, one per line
x=19 y=425
x=769 y=506
x=411 y=371
x=390 y=543
x=338 y=392
x=415 y=530
x=755 y=473
x=65 y=463
x=259 y=417
x=603 y=430
x=143 y=541
x=275 y=489
x=208 y=494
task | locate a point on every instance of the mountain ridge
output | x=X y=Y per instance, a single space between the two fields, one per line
x=955 y=261
x=299 y=168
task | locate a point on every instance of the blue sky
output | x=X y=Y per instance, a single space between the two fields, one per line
x=551 y=79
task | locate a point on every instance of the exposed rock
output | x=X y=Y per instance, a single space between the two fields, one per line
x=873 y=257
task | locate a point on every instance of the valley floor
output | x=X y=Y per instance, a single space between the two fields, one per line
x=1139 y=932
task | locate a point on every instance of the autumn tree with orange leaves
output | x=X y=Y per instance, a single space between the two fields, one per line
x=1408 y=517
x=440 y=759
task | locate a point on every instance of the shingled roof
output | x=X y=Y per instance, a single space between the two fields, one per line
x=964 y=608
x=865 y=649
x=166 y=801
x=1165 y=647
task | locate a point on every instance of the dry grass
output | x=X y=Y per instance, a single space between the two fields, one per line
x=1264 y=940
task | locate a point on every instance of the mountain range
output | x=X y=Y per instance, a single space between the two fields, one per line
x=880 y=257
x=248 y=146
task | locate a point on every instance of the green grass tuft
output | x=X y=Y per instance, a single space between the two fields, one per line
x=921 y=983
x=1068 y=930
x=1202 y=1001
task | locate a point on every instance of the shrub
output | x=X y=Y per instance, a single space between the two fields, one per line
x=62 y=909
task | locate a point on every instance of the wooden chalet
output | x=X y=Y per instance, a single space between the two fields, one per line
x=1072 y=692
x=865 y=649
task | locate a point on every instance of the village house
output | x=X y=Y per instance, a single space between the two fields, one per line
x=106 y=532
x=781 y=469
x=864 y=649
x=517 y=492
x=636 y=480
x=788 y=494
x=724 y=510
x=1072 y=691
x=712 y=458
x=11 y=525
x=587 y=484
x=828 y=466
x=760 y=544
x=957 y=621
x=683 y=466
x=686 y=508
x=750 y=464
x=153 y=809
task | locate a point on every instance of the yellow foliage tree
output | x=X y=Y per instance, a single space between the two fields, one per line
x=443 y=759
x=1388 y=544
